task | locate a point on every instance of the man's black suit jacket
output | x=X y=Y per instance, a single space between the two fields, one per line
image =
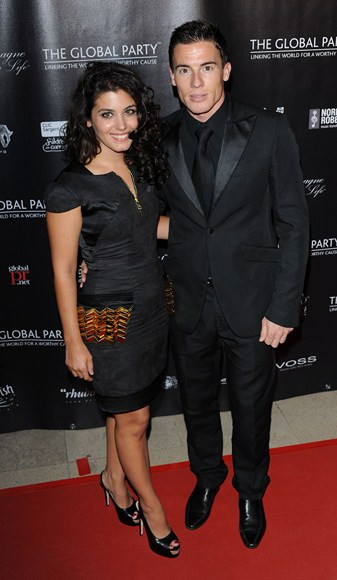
x=254 y=243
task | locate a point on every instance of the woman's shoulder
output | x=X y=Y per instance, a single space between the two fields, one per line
x=64 y=193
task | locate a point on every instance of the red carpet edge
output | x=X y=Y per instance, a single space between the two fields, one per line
x=155 y=469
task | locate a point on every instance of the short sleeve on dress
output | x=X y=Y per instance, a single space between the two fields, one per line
x=60 y=199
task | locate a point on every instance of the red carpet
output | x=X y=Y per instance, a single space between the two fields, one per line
x=62 y=530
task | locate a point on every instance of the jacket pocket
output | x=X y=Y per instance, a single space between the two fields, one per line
x=261 y=254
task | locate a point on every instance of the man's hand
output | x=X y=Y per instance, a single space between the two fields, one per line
x=83 y=271
x=273 y=334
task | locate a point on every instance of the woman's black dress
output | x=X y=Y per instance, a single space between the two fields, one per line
x=118 y=243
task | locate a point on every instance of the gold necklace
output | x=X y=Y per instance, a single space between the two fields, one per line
x=135 y=194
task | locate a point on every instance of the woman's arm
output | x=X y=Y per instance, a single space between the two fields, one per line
x=163 y=227
x=64 y=231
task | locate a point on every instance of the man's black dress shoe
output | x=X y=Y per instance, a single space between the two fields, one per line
x=199 y=506
x=252 y=521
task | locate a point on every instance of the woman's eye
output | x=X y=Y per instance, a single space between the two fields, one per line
x=106 y=114
x=131 y=112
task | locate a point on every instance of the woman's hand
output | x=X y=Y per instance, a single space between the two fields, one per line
x=79 y=361
x=163 y=227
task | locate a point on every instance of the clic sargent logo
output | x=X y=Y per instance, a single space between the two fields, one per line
x=19 y=275
x=72 y=395
x=143 y=53
x=323 y=247
x=294 y=47
x=323 y=118
x=31 y=337
x=53 y=132
x=314 y=187
x=22 y=208
x=292 y=364
x=7 y=398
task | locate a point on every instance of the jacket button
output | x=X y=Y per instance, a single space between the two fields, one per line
x=210 y=230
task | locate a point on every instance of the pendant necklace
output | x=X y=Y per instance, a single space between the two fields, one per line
x=135 y=194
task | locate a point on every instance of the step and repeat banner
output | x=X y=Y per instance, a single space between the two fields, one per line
x=284 y=57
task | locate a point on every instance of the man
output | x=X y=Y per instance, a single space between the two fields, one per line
x=237 y=251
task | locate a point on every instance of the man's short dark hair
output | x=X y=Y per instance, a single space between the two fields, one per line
x=197 y=31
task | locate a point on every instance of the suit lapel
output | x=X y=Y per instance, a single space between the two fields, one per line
x=236 y=137
x=179 y=167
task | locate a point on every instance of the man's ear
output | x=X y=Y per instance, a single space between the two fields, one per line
x=173 y=80
x=227 y=71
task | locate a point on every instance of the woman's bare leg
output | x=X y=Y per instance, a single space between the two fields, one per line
x=113 y=476
x=132 y=449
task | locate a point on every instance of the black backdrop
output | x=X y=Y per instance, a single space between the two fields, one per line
x=284 y=58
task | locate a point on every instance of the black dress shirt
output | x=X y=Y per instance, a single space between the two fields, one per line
x=189 y=140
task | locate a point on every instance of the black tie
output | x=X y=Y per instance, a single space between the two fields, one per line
x=203 y=169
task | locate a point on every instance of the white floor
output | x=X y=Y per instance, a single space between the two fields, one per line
x=41 y=455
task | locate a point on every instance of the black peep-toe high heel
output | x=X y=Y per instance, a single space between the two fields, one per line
x=160 y=546
x=128 y=516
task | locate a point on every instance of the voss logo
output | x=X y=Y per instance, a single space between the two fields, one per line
x=296 y=363
x=19 y=275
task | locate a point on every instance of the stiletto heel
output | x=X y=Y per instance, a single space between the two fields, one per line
x=160 y=546
x=128 y=516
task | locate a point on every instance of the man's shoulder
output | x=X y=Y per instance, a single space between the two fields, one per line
x=244 y=110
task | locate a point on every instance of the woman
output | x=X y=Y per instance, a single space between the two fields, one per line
x=115 y=327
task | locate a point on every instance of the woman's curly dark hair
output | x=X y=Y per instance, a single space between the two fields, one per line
x=81 y=143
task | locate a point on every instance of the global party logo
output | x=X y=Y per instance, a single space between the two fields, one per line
x=53 y=132
x=292 y=364
x=5 y=138
x=22 y=208
x=323 y=247
x=7 y=397
x=31 y=337
x=295 y=47
x=323 y=118
x=314 y=187
x=19 y=275
x=332 y=303
x=141 y=53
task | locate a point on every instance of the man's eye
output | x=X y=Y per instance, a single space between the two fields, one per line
x=183 y=71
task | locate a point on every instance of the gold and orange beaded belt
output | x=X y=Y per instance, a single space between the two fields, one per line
x=105 y=325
